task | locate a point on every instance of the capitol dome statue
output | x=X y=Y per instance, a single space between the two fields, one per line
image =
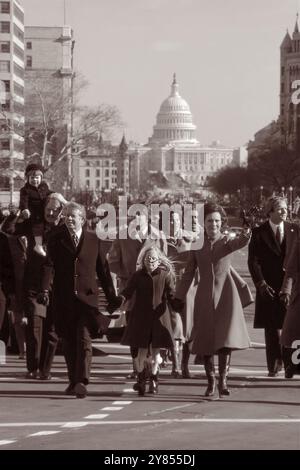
x=174 y=121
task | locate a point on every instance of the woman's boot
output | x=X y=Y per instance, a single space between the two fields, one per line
x=209 y=367
x=140 y=386
x=224 y=363
x=185 y=361
x=175 y=362
x=153 y=385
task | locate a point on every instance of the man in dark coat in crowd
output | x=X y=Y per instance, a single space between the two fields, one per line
x=73 y=261
x=6 y=281
x=266 y=265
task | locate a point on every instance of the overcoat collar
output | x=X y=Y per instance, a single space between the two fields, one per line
x=269 y=237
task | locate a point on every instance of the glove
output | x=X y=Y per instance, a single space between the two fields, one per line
x=266 y=291
x=285 y=299
x=177 y=304
x=25 y=214
x=115 y=304
x=43 y=298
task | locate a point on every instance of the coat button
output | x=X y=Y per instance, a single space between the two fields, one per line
x=76 y=292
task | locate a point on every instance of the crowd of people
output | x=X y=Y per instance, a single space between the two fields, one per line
x=179 y=290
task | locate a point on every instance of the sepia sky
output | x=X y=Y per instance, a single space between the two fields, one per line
x=225 y=54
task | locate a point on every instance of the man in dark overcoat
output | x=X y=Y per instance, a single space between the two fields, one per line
x=73 y=262
x=267 y=250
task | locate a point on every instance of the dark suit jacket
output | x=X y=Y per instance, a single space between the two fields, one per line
x=266 y=263
x=74 y=272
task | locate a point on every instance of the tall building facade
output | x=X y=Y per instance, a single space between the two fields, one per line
x=49 y=94
x=289 y=72
x=11 y=97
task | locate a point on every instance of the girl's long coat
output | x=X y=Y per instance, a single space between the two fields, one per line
x=150 y=318
x=218 y=314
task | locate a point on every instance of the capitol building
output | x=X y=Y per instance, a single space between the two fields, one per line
x=172 y=158
x=173 y=149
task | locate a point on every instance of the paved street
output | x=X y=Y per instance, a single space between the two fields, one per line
x=260 y=413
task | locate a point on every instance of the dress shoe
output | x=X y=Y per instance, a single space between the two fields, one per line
x=31 y=375
x=289 y=373
x=70 y=390
x=45 y=377
x=80 y=390
x=273 y=374
x=133 y=375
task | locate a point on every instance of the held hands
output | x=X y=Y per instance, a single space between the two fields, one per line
x=115 y=304
x=43 y=298
x=284 y=299
x=266 y=291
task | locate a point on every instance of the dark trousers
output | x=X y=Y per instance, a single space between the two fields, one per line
x=273 y=348
x=49 y=345
x=77 y=346
x=34 y=334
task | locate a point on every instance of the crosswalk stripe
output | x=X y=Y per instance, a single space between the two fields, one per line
x=96 y=416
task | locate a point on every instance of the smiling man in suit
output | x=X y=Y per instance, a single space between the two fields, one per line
x=74 y=261
x=267 y=250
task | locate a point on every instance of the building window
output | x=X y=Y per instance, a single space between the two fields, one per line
x=5 y=144
x=18 y=89
x=18 y=13
x=106 y=173
x=4 y=46
x=5 y=7
x=18 y=52
x=98 y=184
x=4 y=27
x=29 y=45
x=4 y=66
x=18 y=71
x=6 y=85
x=18 y=33
x=87 y=173
x=87 y=163
x=18 y=107
x=98 y=173
x=6 y=105
x=29 y=61
x=97 y=163
x=87 y=183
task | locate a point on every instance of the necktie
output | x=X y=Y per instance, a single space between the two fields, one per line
x=75 y=239
x=278 y=236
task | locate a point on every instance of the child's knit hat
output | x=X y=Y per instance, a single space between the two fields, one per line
x=34 y=167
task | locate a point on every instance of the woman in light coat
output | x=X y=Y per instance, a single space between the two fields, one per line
x=218 y=323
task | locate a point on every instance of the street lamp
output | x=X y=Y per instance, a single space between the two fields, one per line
x=283 y=191
x=290 y=202
x=261 y=193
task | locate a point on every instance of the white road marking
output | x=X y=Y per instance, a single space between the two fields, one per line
x=43 y=433
x=112 y=408
x=4 y=443
x=128 y=390
x=121 y=402
x=75 y=424
x=169 y=409
x=98 y=416
x=126 y=358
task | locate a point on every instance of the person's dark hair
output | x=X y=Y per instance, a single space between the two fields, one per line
x=210 y=207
